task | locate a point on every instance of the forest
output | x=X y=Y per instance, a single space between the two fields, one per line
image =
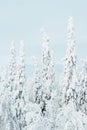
x=44 y=102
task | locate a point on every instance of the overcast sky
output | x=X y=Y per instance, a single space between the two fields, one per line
x=23 y=20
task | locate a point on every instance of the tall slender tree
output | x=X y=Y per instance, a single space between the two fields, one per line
x=46 y=58
x=11 y=73
x=69 y=64
x=46 y=65
x=48 y=74
x=36 y=82
x=19 y=99
x=12 y=67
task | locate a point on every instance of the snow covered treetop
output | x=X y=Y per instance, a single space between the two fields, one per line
x=45 y=39
x=70 y=29
x=70 y=21
x=21 y=61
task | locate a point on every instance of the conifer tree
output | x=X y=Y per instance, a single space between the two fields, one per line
x=69 y=64
x=83 y=89
x=12 y=67
x=48 y=74
x=46 y=65
x=46 y=58
x=36 y=82
x=19 y=99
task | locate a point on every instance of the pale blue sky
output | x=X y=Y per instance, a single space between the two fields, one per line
x=23 y=19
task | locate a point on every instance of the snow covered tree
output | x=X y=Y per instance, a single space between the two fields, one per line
x=46 y=58
x=12 y=67
x=69 y=64
x=6 y=115
x=52 y=104
x=18 y=96
x=9 y=122
x=52 y=73
x=83 y=88
x=3 y=89
x=11 y=73
x=48 y=74
x=36 y=85
x=46 y=64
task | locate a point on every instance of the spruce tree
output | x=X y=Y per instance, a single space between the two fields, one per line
x=69 y=64
x=19 y=99
x=36 y=82
x=12 y=67
x=83 y=89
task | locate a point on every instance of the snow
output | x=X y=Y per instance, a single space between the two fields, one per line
x=44 y=102
x=72 y=119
